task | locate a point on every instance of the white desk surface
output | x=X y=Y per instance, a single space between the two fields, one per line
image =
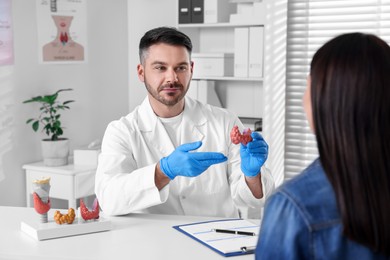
x=134 y=236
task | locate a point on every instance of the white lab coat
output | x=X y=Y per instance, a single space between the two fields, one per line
x=134 y=144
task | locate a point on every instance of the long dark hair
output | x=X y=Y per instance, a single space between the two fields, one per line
x=350 y=94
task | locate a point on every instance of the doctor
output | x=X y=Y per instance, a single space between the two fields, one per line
x=172 y=154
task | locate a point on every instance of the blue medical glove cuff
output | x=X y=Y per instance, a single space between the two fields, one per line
x=165 y=168
x=248 y=173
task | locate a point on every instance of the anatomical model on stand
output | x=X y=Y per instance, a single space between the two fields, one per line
x=41 y=189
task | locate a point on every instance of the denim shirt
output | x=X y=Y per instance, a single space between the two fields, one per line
x=302 y=221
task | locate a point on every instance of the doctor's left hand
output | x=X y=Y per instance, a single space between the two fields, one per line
x=182 y=162
x=253 y=155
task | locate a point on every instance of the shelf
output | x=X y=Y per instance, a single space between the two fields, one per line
x=244 y=1
x=228 y=78
x=254 y=123
x=250 y=119
x=216 y=25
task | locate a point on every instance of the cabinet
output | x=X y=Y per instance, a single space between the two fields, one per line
x=240 y=92
x=69 y=182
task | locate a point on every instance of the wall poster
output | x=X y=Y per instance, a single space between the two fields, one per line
x=62 y=31
x=6 y=42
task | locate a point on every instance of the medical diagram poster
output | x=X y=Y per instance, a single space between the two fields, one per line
x=6 y=42
x=62 y=31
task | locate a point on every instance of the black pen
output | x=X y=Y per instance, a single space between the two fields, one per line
x=236 y=232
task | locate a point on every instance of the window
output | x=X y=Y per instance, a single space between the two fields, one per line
x=274 y=86
x=310 y=24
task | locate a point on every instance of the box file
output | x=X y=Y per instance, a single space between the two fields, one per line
x=201 y=11
x=259 y=10
x=207 y=93
x=245 y=9
x=256 y=39
x=213 y=64
x=197 y=11
x=184 y=11
x=241 y=47
x=249 y=13
x=192 y=91
x=218 y=11
x=204 y=91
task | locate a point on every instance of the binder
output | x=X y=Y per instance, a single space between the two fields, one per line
x=207 y=93
x=197 y=11
x=184 y=11
x=241 y=52
x=218 y=11
x=204 y=91
x=223 y=244
x=192 y=91
x=256 y=35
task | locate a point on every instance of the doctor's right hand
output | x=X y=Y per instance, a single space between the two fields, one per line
x=182 y=162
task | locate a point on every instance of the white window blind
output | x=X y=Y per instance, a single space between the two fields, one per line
x=310 y=24
x=6 y=119
x=274 y=86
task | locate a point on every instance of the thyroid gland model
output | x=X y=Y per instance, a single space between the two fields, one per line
x=41 y=189
x=87 y=214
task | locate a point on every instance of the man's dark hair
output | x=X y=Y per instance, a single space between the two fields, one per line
x=167 y=35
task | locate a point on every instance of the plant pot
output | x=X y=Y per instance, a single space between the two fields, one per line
x=55 y=153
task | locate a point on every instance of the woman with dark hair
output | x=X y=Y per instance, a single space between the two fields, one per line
x=339 y=207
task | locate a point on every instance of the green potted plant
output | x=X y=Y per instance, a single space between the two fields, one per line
x=55 y=149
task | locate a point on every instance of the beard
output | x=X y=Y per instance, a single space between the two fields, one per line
x=173 y=99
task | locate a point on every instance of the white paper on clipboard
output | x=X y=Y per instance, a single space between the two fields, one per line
x=224 y=244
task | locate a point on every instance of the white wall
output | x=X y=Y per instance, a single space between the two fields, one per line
x=100 y=87
x=142 y=17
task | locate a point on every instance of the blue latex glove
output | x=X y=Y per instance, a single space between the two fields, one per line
x=253 y=155
x=182 y=163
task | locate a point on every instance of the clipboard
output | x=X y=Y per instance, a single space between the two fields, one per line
x=222 y=243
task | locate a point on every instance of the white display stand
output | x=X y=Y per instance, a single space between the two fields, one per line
x=50 y=230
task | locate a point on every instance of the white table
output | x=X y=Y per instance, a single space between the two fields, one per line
x=69 y=182
x=134 y=236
